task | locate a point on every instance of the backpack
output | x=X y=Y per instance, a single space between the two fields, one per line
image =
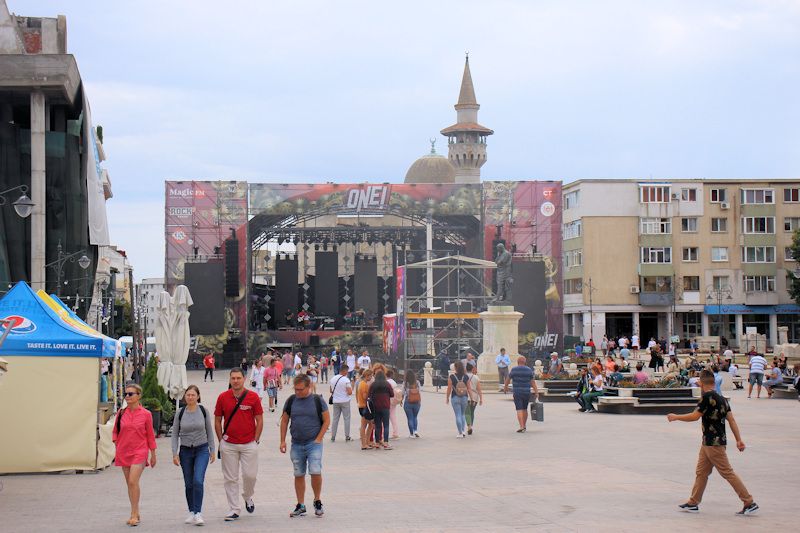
x=461 y=386
x=317 y=403
x=413 y=395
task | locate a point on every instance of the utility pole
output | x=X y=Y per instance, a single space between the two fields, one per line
x=591 y=311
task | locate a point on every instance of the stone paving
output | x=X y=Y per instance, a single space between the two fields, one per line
x=574 y=472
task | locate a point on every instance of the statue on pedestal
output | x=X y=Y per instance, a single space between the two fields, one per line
x=504 y=277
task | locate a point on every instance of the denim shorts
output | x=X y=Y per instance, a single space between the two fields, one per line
x=272 y=392
x=308 y=454
x=756 y=378
x=521 y=401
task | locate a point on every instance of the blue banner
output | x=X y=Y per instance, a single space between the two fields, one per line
x=738 y=309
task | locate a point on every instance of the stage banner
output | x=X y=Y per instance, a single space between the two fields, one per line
x=365 y=198
x=389 y=329
x=400 y=324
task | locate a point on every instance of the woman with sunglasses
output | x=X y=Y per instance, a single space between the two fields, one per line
x=135 y=440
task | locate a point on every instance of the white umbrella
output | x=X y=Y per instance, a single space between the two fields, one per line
x=164 y=338
x=181 y=301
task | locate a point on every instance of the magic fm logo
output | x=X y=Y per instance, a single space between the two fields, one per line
x=19 y=325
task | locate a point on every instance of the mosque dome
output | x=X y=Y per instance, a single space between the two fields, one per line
x=431 y=168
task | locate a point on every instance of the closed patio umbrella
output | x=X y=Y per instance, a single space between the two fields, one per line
x=181 y=301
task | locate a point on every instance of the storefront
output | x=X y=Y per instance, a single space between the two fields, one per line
x=735 y=318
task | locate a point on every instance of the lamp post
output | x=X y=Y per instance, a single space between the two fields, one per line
x=591 y=309
x=23 y=205
x=58 y=264
x=714 y=293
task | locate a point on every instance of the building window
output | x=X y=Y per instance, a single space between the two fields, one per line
x=573 y=258
x=791 y=223
x=721 y=283
x=655 y=226
x=719 y=225
x=787 y=254
x=572 y=229
x=758 y=224
x=571 y=199
x=657 y=284
x=758 y=254
x=692 y=325
x=719 y=254
x=656 y=255
x=718 y=196
x=759 y=283
x=573 y=286
x=690 y=254
x=791 y=195
x=691 y=283
x=689 y=225
x=688 y=195
x=654 y=194
x=758 y=196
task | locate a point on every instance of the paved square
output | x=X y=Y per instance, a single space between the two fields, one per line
x=575 y=472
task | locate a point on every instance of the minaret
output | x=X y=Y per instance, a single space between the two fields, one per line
x=467 y=138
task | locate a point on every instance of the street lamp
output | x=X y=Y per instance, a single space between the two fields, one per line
x=718 y=293
x=83 y=262
x=23 y=205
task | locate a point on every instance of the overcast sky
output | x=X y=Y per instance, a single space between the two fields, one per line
x=352 y=91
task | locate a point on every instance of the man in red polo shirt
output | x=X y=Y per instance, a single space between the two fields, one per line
x=238 y=441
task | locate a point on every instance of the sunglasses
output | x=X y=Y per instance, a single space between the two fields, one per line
x=131 y=393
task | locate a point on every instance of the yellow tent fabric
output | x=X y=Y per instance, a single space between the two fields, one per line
x=51 y=404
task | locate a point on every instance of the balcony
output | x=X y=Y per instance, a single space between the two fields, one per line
x=655 y=299
x=761 y=298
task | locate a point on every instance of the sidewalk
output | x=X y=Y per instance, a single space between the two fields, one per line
x=574 y=472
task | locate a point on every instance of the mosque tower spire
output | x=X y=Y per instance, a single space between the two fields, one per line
x=466 y=138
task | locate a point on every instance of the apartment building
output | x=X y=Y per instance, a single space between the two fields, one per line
x=680 y=257
x=147 y=292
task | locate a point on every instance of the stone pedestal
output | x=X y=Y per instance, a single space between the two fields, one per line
x=500 y=330
x=783 y=335
x=428 y=375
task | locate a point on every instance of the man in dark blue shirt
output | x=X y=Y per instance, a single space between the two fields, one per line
x=310 y=418
x=522 y=379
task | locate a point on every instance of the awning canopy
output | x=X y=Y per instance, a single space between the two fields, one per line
x=37 y=329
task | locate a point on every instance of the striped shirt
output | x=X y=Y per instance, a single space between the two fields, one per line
x=757 y=364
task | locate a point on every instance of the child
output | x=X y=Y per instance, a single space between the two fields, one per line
x=714 y=409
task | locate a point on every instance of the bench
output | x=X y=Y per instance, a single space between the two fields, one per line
x=557 y=390
x=679 y=400
x=786 y=389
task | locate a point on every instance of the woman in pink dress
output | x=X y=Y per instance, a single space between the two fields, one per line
x=134 y=437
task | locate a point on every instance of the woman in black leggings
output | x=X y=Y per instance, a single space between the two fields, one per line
x=380 y=394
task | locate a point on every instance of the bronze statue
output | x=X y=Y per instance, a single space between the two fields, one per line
x=504 y=277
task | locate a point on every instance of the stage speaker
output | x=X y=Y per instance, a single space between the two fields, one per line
x=314 y=340
x=232 y=268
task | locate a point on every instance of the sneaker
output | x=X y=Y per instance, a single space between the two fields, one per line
x=230 y=517
x=318 y=508
x=299 y=510
x=249 y=505
x=333 y=439
x=198 y=520
x=582 y=409
x=469 y=431
x=460 y=436
x=748 y=510
x=689 y=508
x=347 y=439
x=189 y=519
x=411 y=437
x=416 y=435
x=520 y=430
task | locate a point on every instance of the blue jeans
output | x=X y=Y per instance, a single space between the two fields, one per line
x=194 y=462
x=306 y=456
x=460 y=408
x=412 y=412
x=382 y=425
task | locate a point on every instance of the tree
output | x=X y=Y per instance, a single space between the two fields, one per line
x=794 y=285
x=123 y=324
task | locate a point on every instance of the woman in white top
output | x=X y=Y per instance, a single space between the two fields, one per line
x=257 y=378
x=475 y=394
x=396 y=400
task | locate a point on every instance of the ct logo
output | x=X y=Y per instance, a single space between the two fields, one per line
x=20 y=325
x=548 y=209
x=179 y=235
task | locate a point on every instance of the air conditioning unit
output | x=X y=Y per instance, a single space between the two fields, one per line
x=634 y=289
x=675 y=196
x=724 y=205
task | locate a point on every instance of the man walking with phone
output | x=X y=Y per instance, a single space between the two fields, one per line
x=238 y=422
x=341 y=393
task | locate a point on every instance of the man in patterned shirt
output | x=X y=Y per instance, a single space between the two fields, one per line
x=714 y=410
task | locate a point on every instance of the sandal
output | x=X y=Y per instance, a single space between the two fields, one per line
x=388 y=447
x=133 y=521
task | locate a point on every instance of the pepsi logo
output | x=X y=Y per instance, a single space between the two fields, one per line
x=20 y=325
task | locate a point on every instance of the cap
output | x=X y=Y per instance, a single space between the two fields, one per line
x=553 y=353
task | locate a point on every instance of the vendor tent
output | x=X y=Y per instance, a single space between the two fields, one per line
x=49 y=402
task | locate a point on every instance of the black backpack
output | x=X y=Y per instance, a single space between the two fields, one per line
x=317 y=402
